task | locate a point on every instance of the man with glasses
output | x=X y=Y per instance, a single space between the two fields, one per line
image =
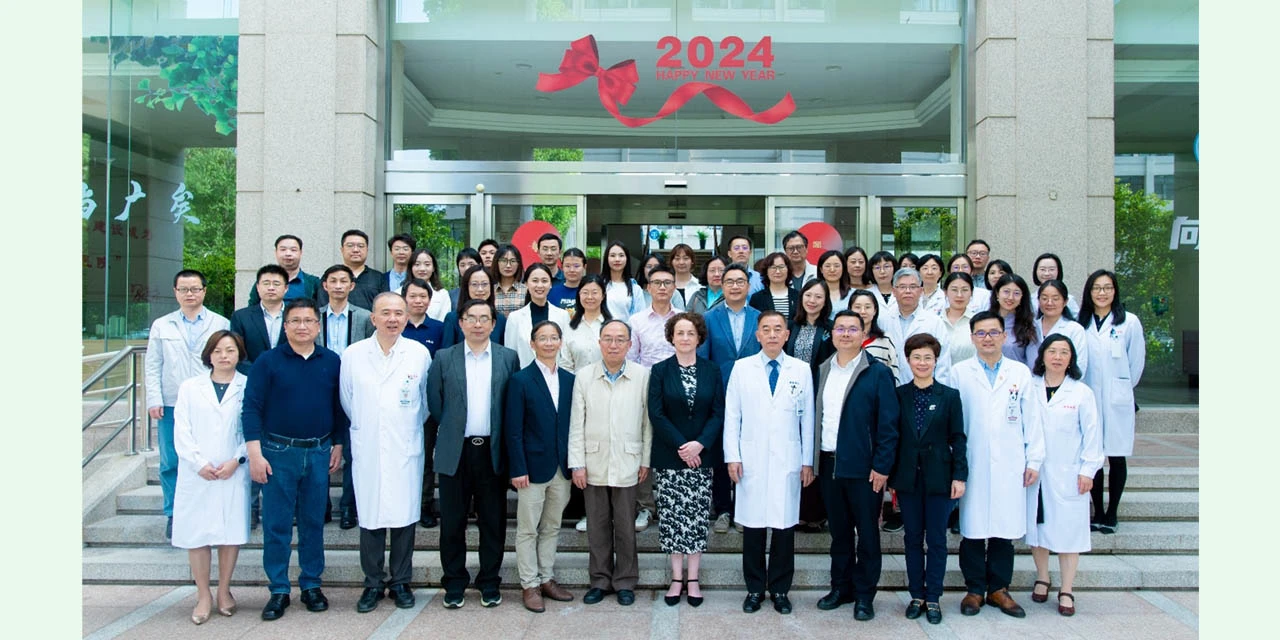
x=609 y=441
x=465 y=388
x=289 y=256
x=739 y=251
x=260 y=324
x=369 y=282
x=174 y=348
x=856 y=441
x=1005 y=449
x=649 y=346
x=796 y=246
x=907 y=318
x=294 y=430
x=729 y=339
x=979 y=253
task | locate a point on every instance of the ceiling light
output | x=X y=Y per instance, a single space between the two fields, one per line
x=834 y=67
x=523 y=66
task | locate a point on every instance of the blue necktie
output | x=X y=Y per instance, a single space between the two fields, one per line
x=773 y=376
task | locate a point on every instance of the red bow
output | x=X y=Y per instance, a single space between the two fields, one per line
x=617 y=83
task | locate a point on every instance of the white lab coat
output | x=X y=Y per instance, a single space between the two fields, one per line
x=1117 y=356
x=936 y=302
x=980 y=301
x=887 y=307
x=1075 y=333
x=1073 y=447
x=206 y=431
x=772 y=436
x=922 y=321
x=1072 y=303
x=1006 y=436
x=520 y=324
x=386 y=399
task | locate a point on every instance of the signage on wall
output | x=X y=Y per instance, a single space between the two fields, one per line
x=617 y=83
x=180 y=208
x=1185 y=233
x=526 y=239
x=822 y=238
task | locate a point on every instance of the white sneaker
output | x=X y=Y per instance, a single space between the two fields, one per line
x=642 y=520
x=722 y=523
x=582 y=525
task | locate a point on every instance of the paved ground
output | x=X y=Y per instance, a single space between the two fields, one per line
x=164 y=613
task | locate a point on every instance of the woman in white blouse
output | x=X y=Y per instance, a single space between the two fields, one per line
x=979 y=299
x=423 y=265
x=537 y=281
x=211 y=501
x=626 y=297
x=581 y=343
x=959 y=291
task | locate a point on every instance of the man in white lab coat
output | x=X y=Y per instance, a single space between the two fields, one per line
x=1005 y=432
x=768 y=446
x=383 y=388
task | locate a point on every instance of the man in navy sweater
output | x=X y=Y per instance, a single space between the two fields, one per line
x=294 y=430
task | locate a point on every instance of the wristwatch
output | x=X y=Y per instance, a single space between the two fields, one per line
x=241 y=460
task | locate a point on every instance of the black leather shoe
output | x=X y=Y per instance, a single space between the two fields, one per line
x=933 y=613
x=275 y=606
x=315 y=600
x=168 y=529
x=428 y=521
x=834 y=599
x=594 y=595
x=369 y=599
x=781 y=603
x=863 y=611
x=915 y=609
x=349 y=520
x=626 y=597
x=752 y=603
x=402 y=595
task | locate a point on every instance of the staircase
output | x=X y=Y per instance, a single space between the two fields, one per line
x=1156 y=547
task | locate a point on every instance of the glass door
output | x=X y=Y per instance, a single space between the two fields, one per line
x=442 y=224
x=841 y=217
x=919 y=225
x=567 y=214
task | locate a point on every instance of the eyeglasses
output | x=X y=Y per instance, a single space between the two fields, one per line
x=795 y=248
x=778 y=267
x=614 y=341
x=663 y=284
x=907 y=287
x=883 y=266
x=354 y=245
x=977 y=253
x=547 y=339
x=302 y=322
x=846 y=331
x=1011 y=294
x=922 y=357
x=475 y=320
x=186 y=290
x=1103 y=288
x=740 y=247
x=508 y=261
x=478 y=285
x=735 y=282
x=994 y=333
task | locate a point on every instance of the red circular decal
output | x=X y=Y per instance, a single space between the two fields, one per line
x=822 y=238
x=526 y=239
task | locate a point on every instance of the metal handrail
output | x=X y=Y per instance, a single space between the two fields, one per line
x=131 y=354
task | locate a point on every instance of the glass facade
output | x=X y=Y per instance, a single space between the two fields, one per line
x=1157 y=109
x=728 y=81
x=158 y=170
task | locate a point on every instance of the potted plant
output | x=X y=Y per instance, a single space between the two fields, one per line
x=702 y=239
x=662 y=239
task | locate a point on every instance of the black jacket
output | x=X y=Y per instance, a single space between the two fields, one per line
x=868 y=437
x=928 y=462
x=763 y=300
x=675 y=424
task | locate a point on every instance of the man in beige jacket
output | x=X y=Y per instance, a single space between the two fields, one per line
x=609 y=439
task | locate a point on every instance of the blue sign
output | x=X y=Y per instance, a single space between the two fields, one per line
x=653 y=234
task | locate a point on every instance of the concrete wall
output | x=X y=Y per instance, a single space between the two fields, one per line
x=309 y=148
x=1042 y=136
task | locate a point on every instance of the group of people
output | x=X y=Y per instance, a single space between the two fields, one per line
x=772 y=398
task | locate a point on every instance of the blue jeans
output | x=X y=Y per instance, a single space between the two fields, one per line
x=299 y=482
x=168 y=459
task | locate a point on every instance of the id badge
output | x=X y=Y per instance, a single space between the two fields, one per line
x=406 y=392
x=1117 y=345
x=1013 y=411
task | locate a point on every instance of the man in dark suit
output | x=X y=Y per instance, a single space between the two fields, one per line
x=260 y=324
x=465 y=388
x=856 y=438
x=537 y=434
x=730 y=337
x=299 y=283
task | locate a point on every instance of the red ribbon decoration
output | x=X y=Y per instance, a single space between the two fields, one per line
x=617 y=83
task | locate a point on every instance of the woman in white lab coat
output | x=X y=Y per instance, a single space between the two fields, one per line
x=211 y=501
x=882 y=267
x=980 y=299
x=934 y=297
x=959 y=289
x=1058 y=501
x=1117 y=355
x=1048 y=266
x=1055 y=316
x=537 y=281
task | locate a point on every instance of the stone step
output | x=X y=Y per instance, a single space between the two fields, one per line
x=719 y=570
x=1136 y=505
x=1168 y=419
x=1140 y=478
x=1133 y=537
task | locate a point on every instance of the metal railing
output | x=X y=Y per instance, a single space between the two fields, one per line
x=130 y=354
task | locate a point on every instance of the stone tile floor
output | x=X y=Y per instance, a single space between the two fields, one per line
x=163 y=613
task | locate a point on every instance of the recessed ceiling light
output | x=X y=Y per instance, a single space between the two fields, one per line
x=834 y=67
x=815 y=100
x=541 y=99
x=523 y=66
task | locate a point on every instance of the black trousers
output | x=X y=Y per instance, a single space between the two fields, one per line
x=721 y=490
x=924 y=521
x=429 y=431
x=372 y=544
x=813 y=508
x=853 y=513
x=475 y=479
x=987 y=564
x=776 y=575
x=348 y=499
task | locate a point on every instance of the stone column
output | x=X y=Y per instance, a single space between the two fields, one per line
x=1042 y=142
x=310 y=83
